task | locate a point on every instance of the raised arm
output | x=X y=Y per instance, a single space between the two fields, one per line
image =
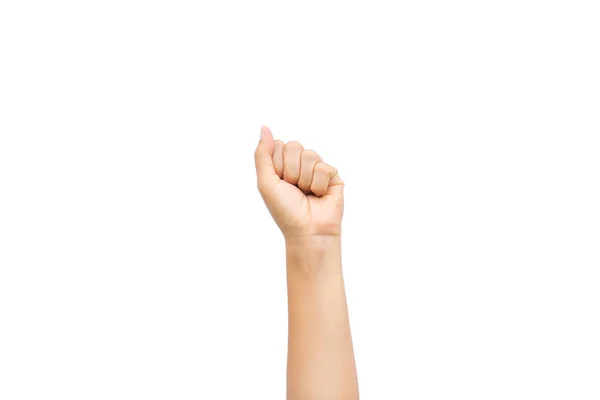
x=305 y=197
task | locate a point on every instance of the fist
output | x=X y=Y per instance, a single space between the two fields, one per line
x=304 y=195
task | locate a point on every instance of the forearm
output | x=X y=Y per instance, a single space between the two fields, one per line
x=320 y=355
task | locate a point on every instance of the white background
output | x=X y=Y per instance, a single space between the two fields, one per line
x=137 y=260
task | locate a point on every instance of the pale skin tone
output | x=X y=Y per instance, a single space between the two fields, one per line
x=305 y=196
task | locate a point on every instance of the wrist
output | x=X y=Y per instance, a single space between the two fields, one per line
x=310 y=256
x=313 y=242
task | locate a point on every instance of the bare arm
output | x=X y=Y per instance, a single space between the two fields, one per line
x=320 y=356
x=305 y=197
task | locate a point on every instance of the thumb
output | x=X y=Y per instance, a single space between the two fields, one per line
x=263 y=158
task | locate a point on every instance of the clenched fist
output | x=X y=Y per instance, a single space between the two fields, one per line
x=303 y=194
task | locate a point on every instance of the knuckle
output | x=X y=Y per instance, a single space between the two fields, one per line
x=321 y=167
x=293 y=145
x=310 y=154
x=330 y=170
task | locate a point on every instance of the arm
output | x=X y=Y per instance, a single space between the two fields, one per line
x=320 y=356
x=305 y=197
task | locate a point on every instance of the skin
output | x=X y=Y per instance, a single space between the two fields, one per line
x=305 y=196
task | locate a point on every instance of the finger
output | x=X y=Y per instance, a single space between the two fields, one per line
x=326 y=180
x=291 y=162
x=278 y=158
x=308 y=160
x=265 y=172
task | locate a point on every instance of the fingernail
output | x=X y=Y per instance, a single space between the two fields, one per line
x=263 y=132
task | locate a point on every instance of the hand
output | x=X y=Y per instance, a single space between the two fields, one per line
x=303 y=194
